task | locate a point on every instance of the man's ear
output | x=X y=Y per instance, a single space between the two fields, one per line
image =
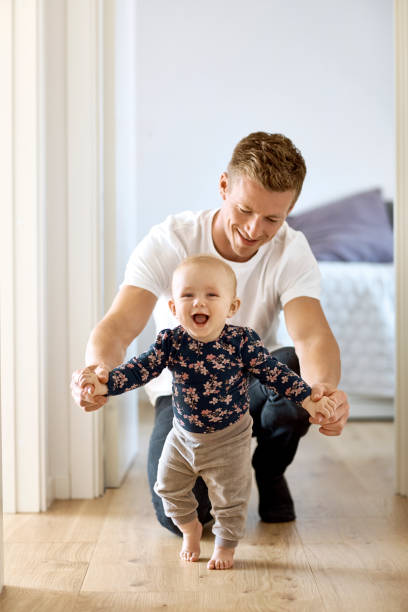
x=235 y=304
x=224 y=185
x=172 y=307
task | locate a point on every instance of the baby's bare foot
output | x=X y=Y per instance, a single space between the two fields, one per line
x=222 y=558
x=191 y=540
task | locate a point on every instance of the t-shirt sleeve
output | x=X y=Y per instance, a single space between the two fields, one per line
x=140 y=370
x=154 y=259
x=271 y=372
x=298 y=274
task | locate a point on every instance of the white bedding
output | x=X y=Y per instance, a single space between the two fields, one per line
x=359 y=302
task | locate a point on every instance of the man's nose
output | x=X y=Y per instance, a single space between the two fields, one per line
x=253 y=228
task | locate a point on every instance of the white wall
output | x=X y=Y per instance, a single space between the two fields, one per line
x=320 y=71
x=209 y=73
x=120 y=414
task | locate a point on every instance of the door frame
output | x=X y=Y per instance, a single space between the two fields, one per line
x=401 y=245
x=28 y=145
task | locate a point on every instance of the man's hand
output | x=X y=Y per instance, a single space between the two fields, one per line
x=80 y=394
x=334 y=425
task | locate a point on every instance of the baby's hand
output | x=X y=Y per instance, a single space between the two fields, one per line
x=325 y=406
x=90 y=382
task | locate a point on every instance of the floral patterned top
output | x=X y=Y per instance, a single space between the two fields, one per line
x=210 y=379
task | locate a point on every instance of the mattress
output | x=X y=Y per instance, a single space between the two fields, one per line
x=359 y=302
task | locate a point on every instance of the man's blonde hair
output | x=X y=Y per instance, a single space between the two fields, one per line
x=272 y=160
x=212 y=260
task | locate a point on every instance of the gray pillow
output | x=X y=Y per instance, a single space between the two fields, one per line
x=355 y=228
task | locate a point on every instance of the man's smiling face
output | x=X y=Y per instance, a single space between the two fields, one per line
x=249 y=217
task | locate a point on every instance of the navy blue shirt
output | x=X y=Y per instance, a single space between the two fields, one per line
x=210 y=379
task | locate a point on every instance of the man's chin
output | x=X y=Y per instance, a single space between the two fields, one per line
x=245 y=251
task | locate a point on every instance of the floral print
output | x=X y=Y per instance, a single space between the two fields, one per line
x=210 y=379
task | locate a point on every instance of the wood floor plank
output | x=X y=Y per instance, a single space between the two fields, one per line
x=351 y=475
x=361 y=572
x=56 y=566
x=130 y=566
x=188 y=601
x=18 y=599
x=65 y=521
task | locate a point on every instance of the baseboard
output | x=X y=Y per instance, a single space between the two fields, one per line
x=62 y=488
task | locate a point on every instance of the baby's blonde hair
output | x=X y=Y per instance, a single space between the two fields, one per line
x=212 y=260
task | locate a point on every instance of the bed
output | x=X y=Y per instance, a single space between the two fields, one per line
x=353 y=243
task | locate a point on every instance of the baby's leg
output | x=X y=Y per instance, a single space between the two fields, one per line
x=229 y=487
x=175 y=482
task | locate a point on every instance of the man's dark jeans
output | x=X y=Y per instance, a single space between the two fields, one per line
x=278 y=424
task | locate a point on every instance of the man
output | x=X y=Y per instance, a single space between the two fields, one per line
x=275 y=269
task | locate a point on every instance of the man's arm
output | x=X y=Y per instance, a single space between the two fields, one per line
x=315 y=345
x=109 y=340
x=319 y=356
x=123 y=322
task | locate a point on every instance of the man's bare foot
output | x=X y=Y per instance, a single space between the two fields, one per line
x=222 y=558
x=191 y=540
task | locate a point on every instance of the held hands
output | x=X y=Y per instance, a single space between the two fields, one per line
x=91 y=384
x=334 y=425
x=324 y=407
x=88 y=388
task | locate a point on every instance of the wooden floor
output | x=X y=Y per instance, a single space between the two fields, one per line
x=348 y=549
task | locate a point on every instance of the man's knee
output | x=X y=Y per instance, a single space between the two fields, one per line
x=279 y=414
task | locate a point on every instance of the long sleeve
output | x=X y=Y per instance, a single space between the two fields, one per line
x=140 y=370
x=271 y=372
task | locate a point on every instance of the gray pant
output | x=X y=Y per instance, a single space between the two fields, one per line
x=223 y=460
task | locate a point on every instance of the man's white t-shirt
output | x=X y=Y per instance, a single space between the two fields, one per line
x=281 y=270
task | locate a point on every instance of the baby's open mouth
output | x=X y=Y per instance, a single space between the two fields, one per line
x=200 y=319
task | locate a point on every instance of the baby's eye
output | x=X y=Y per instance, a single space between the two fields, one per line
x=187 y=295
x=213 y=295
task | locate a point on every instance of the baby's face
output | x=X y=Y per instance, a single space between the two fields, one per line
x=203 y=298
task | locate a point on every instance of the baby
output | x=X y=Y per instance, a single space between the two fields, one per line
x=211 y=363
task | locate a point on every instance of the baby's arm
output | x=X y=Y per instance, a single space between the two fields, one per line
x=89 y=380
x=324 y=406
x=281 y=379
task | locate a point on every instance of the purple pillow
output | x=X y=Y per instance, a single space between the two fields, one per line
x=356 y=228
